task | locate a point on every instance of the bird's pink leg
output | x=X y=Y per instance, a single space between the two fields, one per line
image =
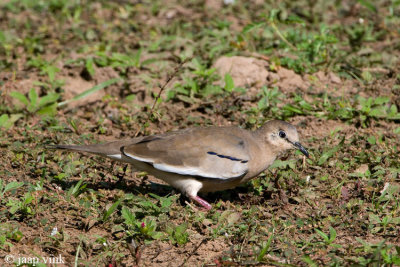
x=202 y=202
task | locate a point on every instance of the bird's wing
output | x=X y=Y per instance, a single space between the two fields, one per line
x=220 y=153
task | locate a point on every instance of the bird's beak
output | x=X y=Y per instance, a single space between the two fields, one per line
x=301 y=148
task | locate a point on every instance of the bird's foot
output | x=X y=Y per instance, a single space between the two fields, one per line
x=207 y=206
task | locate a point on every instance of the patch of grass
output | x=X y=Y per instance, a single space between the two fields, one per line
x=339 y=207
x=45 y=105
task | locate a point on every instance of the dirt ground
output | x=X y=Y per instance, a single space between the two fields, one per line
x=346 y=192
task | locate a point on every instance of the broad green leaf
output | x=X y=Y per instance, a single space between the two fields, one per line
x=393 y=110
x=3 y=119
x=281 y=164
x=378 y=112
x=374 y=218
x=136 y=58
x=381 y=100
x=129 y=217
x=33 y=98
x=229 y=84
x=21 y=97
x=371 y=140
x=367 y=76
x=157 y=235
x=49 y=110
x=211 y=90
x=51 y=71
x=332 y=234
x=12 y=186
x=323 y=235
x=8 y=121
x=48 y=99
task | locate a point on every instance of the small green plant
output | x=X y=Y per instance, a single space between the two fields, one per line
x=312 y=49
x=267 y=105
x=199 y=84
x=21 y=206
x=11 y=233
x=330 y=152
x=46 y=68
x=165 y=203
x=264 y=248
x=118 y=61
x=328 y=239
x=145 y=228
x=148 y=228
x=363 y=110
x=177 y=234
x=77 y=189
x=299 y=107
x=45 y=105
x=148 y=207
x=378 y=224
x=6 y=121
x=4 y=188
x=359 y=33
x=378 y=254
x=110 y=210
x=3 y=242
x=269 y=99
x=15 y=235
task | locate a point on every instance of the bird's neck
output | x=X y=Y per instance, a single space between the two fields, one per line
x=264 y=141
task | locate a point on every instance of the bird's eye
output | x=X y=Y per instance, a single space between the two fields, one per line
x=282 y=134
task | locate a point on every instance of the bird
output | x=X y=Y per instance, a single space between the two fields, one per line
x=202 y=159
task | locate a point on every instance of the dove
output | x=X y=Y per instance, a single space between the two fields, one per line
x=202 y=159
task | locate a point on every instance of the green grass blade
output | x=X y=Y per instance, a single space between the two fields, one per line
x=90 y=91
x=265 y=248
x=108 y=213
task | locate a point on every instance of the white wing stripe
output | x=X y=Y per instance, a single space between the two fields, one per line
x=238 y=169
x=138 y=158
x=192 y=171
x=115 y=156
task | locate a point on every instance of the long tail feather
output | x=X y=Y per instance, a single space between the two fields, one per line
x=110 y=149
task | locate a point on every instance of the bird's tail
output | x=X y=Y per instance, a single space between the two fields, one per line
x=96 y=149
x=107 y=149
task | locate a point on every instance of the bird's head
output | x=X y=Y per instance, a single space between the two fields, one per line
x=281 y=136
